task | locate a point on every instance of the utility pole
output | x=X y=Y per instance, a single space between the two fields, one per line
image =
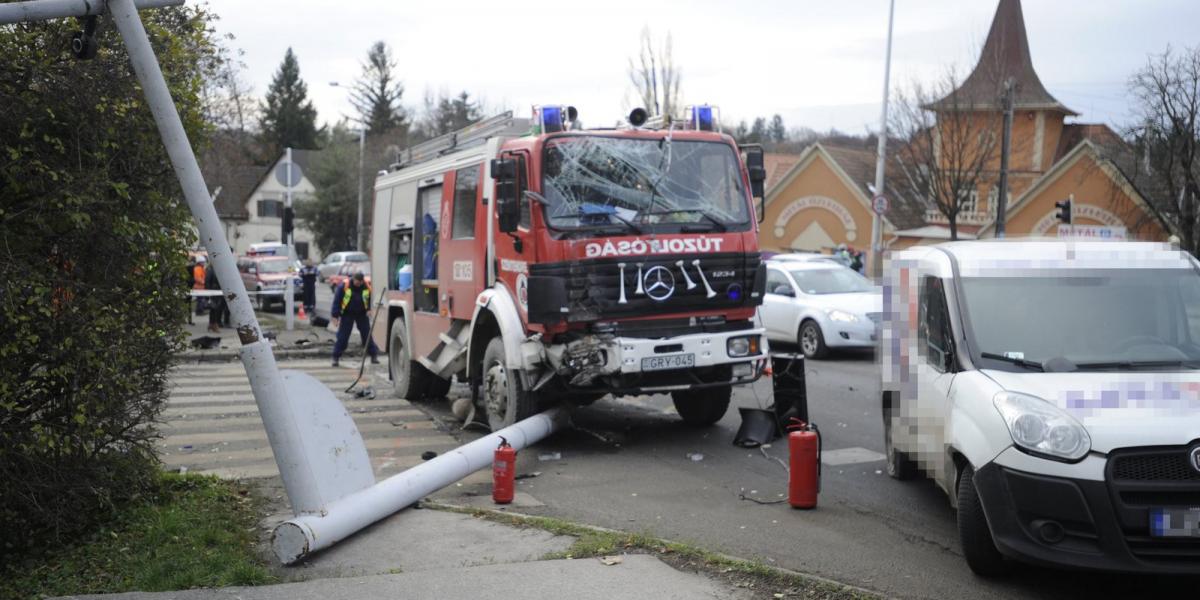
x=881 y=153
x=289 y=292
x=1006 y=141
x=358 y=232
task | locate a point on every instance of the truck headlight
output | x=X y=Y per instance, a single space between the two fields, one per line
x=1042 y=428
x=742 y=346
x=841 y=316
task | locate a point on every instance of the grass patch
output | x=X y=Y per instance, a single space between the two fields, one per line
x=193 y=531
x=595 y=542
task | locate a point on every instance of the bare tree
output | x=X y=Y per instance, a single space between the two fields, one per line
x=1167 y=93
x=949 y=147
x=655 y=77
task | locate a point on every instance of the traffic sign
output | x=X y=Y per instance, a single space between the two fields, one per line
x=879 y=204
x=281 y=174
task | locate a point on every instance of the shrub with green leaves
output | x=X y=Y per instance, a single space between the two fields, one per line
x=93 y=238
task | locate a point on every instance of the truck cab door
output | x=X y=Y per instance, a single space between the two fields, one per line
x=461 y=270
x=516 y=250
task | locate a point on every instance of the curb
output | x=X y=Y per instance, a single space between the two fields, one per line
x=205 y=356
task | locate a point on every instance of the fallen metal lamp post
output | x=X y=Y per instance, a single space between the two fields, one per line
x=303 y=535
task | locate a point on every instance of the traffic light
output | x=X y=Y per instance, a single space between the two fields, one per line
x=288 y=217
x=1064 y=211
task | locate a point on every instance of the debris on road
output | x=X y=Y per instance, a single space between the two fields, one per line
x=529 y=475
x=549 y=456
x=695 y=456
x=428 y=455
x=611 y=560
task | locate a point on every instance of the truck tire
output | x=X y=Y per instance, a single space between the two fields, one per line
x=899 y=465
x=504 y=400
x=973 y=533
x=410 y=379
x=703 y=407
x=812 y=340
x=438 y=387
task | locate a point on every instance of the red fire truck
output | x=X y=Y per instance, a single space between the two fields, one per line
x=540 y=262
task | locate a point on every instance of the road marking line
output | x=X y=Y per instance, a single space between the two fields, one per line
x=850 y=456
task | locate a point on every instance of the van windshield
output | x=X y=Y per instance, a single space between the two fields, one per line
x=643 y=184
x=1095 y=319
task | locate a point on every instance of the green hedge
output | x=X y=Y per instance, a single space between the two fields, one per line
x=93 y=235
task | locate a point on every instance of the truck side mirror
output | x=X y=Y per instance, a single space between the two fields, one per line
x=758 y=174
x=508 y=205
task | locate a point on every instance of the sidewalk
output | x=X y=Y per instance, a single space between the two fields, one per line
x=436 y=554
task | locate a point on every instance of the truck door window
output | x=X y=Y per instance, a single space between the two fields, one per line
x=466 y=183
x=522 y=185
x=933 y=335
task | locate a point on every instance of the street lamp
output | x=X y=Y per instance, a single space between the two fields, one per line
x=362 y=137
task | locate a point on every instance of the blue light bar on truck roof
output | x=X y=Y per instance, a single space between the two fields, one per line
x=551 y=118
x=703 y=117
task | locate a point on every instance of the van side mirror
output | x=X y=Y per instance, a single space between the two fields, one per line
x=753 y=154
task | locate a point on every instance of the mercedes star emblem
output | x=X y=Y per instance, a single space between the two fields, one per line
x=1195 y=458
x=659 y=283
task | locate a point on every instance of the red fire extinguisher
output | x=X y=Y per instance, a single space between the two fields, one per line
x=504 y=472
x=804 y=464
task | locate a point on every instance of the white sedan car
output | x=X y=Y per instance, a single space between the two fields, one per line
x=820 y=305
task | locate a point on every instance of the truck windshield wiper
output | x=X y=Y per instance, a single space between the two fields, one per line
x=1020 y=362
x=717 y=223
x=1136 y=364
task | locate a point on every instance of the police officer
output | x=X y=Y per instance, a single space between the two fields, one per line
x=351 y=304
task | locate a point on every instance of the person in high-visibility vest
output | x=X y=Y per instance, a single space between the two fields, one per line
x=351 y=308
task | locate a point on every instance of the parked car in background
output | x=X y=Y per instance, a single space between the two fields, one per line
x=333 y=263
x=266 y=278
x=346 y=271
x=819 y=305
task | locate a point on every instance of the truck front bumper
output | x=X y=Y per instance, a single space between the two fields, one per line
x=628 y=365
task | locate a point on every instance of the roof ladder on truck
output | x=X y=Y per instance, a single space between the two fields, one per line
x=471 y=135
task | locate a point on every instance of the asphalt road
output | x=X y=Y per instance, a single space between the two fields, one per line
x=630 y=464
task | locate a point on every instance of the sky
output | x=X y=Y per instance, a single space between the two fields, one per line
x=819 y=64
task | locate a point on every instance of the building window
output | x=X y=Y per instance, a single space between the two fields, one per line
x=270 y=208
x=466 y=184
x=970 y=204
x=994 y=202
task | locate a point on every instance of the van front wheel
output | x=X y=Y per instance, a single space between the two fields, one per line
x=973 y=533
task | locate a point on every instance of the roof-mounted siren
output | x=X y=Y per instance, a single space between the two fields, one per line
x=553 y=119
x=704 y=118
x=638 y=117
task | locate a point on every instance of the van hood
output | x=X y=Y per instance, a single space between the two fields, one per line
x=1119 y=410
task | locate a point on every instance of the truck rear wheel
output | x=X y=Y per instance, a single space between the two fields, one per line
x=410 y=379
x=703 y=407
x=504 y=400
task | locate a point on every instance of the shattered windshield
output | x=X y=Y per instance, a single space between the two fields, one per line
x=642 y=184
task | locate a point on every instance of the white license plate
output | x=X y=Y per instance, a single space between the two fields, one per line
x=671 y=361
x=1175 y=522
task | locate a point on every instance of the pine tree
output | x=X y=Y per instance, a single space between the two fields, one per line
x=289 y=119
x=777 y=131
x=376 y=94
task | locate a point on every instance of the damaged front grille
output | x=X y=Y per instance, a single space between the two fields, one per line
x=641 y=286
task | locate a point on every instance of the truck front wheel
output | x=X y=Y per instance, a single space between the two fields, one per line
x=973 y=533
x=703 y=407
x=504 y=399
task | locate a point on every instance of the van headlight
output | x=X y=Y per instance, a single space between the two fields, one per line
x=841 y=316
x=1042 y=428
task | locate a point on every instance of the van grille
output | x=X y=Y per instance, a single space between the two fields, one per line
x=1169 y=465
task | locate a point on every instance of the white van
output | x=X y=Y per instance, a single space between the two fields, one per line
x=1051 y=389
